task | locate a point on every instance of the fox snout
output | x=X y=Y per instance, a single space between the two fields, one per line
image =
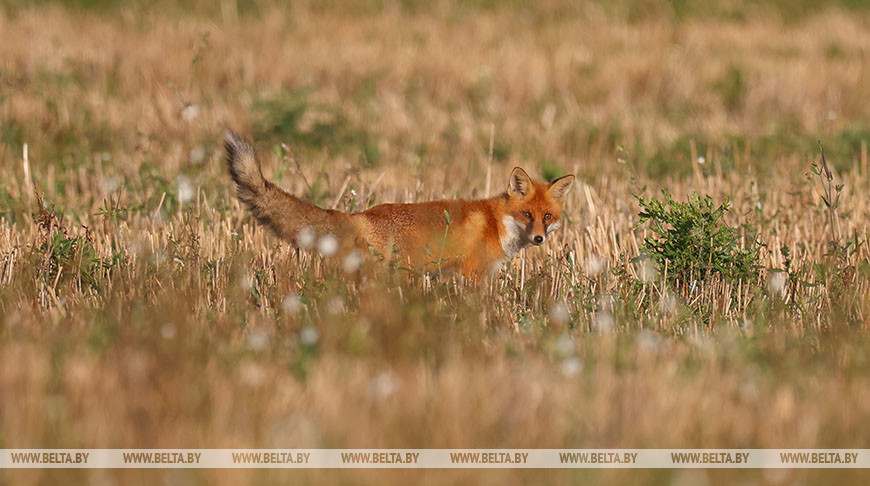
x=537 y=231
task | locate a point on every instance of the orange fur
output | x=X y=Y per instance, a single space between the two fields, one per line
x=481 y=235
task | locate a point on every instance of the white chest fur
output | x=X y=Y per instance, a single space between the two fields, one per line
x=512 y=237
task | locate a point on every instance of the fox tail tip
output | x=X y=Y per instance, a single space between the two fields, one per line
x=233 y=143
x=241 y=161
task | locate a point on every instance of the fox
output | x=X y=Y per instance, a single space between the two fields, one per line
x=474 y=238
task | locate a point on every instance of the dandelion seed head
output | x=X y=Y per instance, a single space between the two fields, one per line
x=571 y=366
x=382 y=385
x=109 y=185
x=648 y=341
x=335 y=306
x=305 y=239
x=246 y=281
x=327 y=245
x=646 y=270
x=189 y=112
x=252 y=374
x=777 y=283
x=185 y=189
x=595 y=265
x=603 y=321
x=309 y=335
x=257 y=340
x=559 y=314
x=669 y=303
x=605 y=302
x=291 y=304
x=197 y=155
x=352 y=261
x=167 y=331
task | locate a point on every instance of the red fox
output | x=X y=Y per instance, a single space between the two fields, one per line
x=473 y=237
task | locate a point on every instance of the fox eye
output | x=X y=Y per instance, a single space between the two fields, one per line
x=527 y=214
x=547 y=216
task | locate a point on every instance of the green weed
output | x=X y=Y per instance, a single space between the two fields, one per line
x=692 y=241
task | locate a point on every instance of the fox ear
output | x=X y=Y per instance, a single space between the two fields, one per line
x=520 y=185
x=559 y=188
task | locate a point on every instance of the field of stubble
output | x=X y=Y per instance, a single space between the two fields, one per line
x=142 y=307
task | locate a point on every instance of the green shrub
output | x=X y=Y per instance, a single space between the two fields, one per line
x=732 y=88
x=693 y=242
x=75 y=258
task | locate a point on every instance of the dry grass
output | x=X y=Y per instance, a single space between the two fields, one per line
x=170 y=320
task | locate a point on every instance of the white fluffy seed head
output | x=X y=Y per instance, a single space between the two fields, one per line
x=189 y=112
x=185 y=189
x=309 y=335
x=383 y=385
x=352 y=261
x=595 y=265
x=246 y=281
x=327 y=245
x=648 y=341
x=291 y=304
x=305 y=238
x=252 y=374
x=646 y=270
x=669 y=303
x=197 y=154
x=257 y=340
x=110 y=185
x=335 y=306
x=777 y=283
x=559 y=313
x=571 y=366
x=603 y=321
x=167 y=331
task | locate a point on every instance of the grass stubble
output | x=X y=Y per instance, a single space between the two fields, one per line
x=140 y=307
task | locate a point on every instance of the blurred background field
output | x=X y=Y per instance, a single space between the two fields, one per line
x=141 y=307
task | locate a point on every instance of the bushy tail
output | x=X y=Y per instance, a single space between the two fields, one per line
x=244 y=169
x=288 y=216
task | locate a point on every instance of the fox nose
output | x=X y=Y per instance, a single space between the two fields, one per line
x=539 y=239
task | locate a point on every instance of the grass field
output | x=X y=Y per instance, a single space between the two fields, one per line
x=142 y=307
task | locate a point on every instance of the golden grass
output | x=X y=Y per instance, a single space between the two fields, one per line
x=208 y=332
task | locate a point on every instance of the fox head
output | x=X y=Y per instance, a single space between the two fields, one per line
x=534 y=208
